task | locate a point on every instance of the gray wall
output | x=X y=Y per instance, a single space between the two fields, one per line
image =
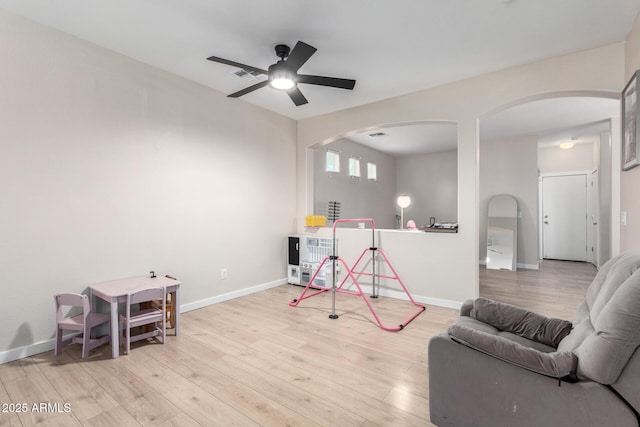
x=604 y=203
x=359 y=198
x=630 y=179
x=432 y=182
x=430 y=179
x=111 y=168
x=511 y=167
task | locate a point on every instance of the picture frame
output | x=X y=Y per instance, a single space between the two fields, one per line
x=630 y=123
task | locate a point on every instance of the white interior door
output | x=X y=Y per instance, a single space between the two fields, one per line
x=564 y=217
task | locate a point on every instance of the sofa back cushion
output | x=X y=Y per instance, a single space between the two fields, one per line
x=606 y=328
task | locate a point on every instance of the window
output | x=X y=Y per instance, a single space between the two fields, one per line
x=333 y=161
x=354 y=167
x=371 y=171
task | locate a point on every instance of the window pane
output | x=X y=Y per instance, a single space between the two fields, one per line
x=354 y=167
x=371 y=171
x=333 y=161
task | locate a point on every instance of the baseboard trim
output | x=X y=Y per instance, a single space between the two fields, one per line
x=26 y=351
x=529 y=266
x=390 y=293
x=48 y=345
x=230 y=295
x=523 y=266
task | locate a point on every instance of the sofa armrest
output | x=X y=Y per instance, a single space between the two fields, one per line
x=556 y=364
x=509 y=318
x=467 y=306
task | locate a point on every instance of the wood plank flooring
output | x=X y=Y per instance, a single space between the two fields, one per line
x=255 y=361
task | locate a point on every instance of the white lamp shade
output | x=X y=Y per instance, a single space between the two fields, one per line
x=404 y=201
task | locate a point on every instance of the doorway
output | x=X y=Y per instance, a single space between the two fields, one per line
x=546 y=120
x=564 y=217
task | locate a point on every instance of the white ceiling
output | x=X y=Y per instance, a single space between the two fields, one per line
x=553 y=121
x=390 y=48
x=411 y=139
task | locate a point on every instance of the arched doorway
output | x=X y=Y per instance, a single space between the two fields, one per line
x=528 y=133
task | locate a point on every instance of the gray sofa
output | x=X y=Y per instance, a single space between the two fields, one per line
x=500 y=365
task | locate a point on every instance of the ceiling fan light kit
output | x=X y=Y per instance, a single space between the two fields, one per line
x=283 y=75
x=280 y=77
x=282 y=83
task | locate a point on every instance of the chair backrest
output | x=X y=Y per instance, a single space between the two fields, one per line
x=146 y=295
x=606 y=328
x=153 y=294
x=71 y=300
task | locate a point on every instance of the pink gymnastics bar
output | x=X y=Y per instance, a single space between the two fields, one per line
x=350 y=274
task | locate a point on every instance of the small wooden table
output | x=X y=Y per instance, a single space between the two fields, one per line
x=115 y=292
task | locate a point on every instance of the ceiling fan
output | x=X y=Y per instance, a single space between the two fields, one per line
x=284 y=75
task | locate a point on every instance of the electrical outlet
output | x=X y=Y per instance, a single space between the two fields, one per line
x=224 y=273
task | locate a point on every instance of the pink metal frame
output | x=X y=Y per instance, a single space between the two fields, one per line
x=351 y=274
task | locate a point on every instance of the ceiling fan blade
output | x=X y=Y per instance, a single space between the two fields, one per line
x=246 y=90
x=297 y=97
x=299 y=55
x=237 y=64
x=327 y=81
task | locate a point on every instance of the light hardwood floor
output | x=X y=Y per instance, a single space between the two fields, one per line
x=256 y=361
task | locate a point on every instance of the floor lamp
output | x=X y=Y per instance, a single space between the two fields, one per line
x=403 y=201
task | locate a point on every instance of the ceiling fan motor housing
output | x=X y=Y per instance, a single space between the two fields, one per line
x=282 y=51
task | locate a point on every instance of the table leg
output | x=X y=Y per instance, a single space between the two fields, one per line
x=92 y=301
x=115 y=330
x=176 y=310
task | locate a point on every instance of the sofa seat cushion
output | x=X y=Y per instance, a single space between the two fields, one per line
x=517 y=350
x=527 y=342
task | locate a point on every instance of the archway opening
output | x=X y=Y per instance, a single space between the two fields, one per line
x=367 y=170
x=520 y=143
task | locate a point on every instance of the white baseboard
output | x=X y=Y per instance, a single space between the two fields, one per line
x=523 y=266
x=48 y=345
x=529 y=266
x=440 y=302
x=230 y=295
x=26 y=351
